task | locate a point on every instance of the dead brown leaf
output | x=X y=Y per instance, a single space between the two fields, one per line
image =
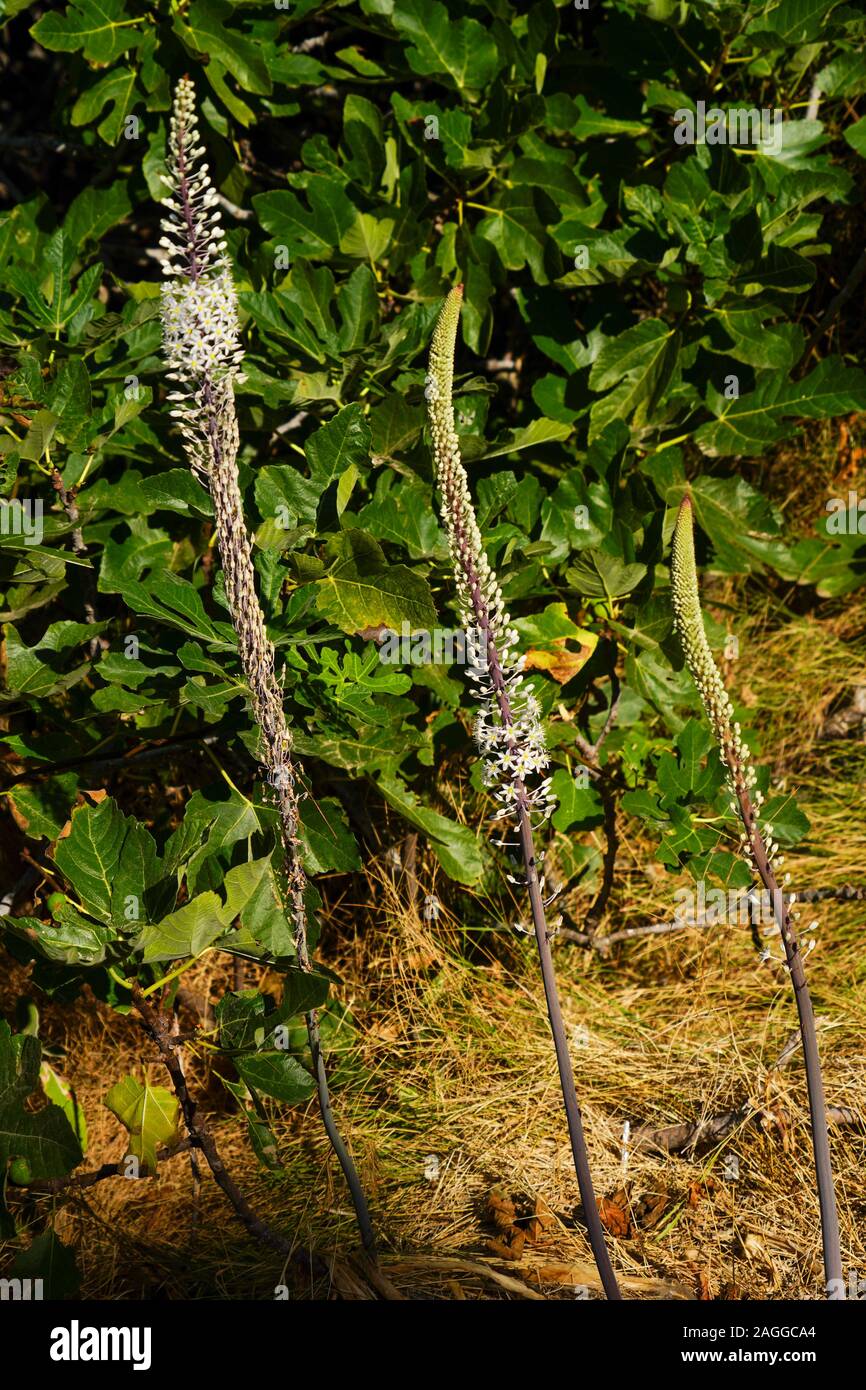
x=615 y=1215
x=517 y=1218
x=700 y=1188
x=541 y=1220
x=500 y=1209
x=650 y=1208
x=557 y=660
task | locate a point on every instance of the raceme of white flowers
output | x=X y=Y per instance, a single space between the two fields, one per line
x=203 y=352
x=200 y=327
x=200 y=331
x=508 y=728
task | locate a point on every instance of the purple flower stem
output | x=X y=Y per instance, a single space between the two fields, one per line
x=551 y=993
x=806 y=1017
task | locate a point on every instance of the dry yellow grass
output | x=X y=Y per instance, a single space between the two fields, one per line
x=456 y=1062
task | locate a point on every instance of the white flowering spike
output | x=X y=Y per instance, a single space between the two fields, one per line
x=200 y=342
x=203 y=353
x=508 y=728
x=200 y=336
x=192 y=232
x=200 y=327
x=689 y=624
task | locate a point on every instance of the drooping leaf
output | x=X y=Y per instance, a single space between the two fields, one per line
x=112 y=863
x=151 y=1115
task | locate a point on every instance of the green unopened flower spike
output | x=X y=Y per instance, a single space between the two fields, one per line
x=508 y=728
x=758 y=848
x=202 y=349
x=689 y=624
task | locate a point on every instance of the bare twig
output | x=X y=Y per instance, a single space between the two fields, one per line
x=615 y=694
x=684 y=1138
x=590 y=751
x=158 y=749
x=846 y=892
x=676 y=1139
x=194 y=1167
x=602 y=944
x=80 y=1181
x=158 y=1027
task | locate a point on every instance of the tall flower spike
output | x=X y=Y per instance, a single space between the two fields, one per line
x=203 y=352
x=508 y=729
x=758 y=848
x=200 y=337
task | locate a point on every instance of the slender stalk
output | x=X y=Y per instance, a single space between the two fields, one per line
x=158 y=1027
x=508 y=729
x=758 y=848
x=811 y=1058
x=257 y=656
x=202 y=347
x=563 y=1062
